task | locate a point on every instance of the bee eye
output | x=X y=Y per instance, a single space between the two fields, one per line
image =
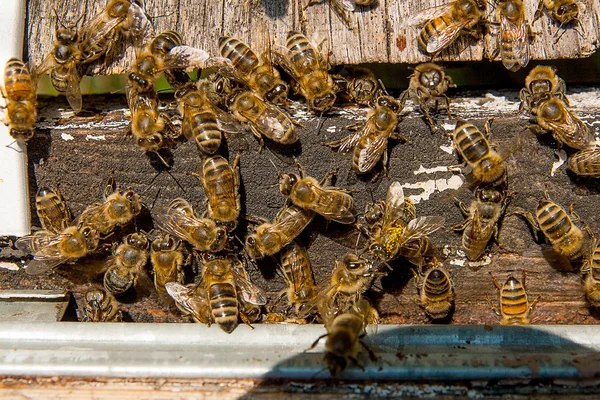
x=220 y=87
x=561 y=10
x=251 y=241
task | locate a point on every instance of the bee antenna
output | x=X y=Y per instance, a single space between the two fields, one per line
x=321 y=122
x=383 y=87
x=155 y=198
x=151 y=182
x=275 y=166
x=15 y=149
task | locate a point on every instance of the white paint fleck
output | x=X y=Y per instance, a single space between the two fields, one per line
x=423 y=170
x=562 y=158
x=431 y=186
x=487 y=260
x=447 y=149
x=449 y=127
x=66 y=136
x=331 y=129
x=95 y=137
x=9 y=265
x=459 y=262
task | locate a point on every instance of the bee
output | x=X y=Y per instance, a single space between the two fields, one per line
x=563 y=12
x=514 y=307
x=515 y=35
x=297 y=273
x=436 y=291
x=482 y=218
x=541 y=83
x=21 y=100
x=445 y=23
x=351 y=277
x=221 y=183
x=118 y=209
x=566 y=128
x=400 y=232
x=309 y=70
x=255 y=72
x=269 y=238
x=591 y=282
x=102 y=32
x=52 y=210
x=180 y=220
x=585 y=162
x=62 y=63
x=428 y=82
x=262 y=118
x=126 y=265
x=566 y=238
x=474 y=147
x=161 y=45
x=148 y=125
x=369 y=144
x=344 y=336
x=222 y=281
x=51 y=250
x=203 y=120
x=360 y=85
x=167 y=261
x=333 y=203
x=100 y=306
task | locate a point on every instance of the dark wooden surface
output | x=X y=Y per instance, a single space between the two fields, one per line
x=81 y=153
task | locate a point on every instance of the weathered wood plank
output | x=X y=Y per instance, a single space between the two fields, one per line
x=380 y=36
x=80 y=153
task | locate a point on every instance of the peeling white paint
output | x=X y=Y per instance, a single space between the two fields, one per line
x=95 y=137
x=447 y=149
x=9 y=265
x=431 y=186
x=331 y=129
x=458 y=262
x=449 y=127
x=66 y=137
x=562 y=158
x=423 y=170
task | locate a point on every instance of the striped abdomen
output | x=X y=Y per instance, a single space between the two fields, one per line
x=52 y=210
x=296 y=268
x=437 y=293
x=224 y=305
x=585 y=162
x=221 y=189
x=514 y=306
x=18 y=84
x=204 y=129
x=241 y=55
x=301 y=53
x=471 y=143
x=433 y=29
x=566 y=238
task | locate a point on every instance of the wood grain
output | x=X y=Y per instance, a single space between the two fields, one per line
x=81 y=153
x=382 y=35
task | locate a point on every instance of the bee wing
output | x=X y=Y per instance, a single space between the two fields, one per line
x=250 y=292
x=39 y=266
x=190 y=299
x=423 y=226
x=518 y=35
x=173 y=224
x=446 y=36
x=46 y=65
x=141 y=27
x=589 y=157
x=279 y=58
x=187 y=57
x=97 y=29
x=270 y=120
x=226 y=122
x=73 y=91
x=343 y=213
x=573 y=131
x=90 y=213
x=371 y=154
x=394 y=204
x=186 y=126
x=346 y=5
x=428 y=14
x=350 y=141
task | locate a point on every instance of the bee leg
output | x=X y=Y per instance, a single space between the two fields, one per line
x=538 y=12
x=532 y=306
x=457 y=167
x=316 y=342
x=256 y=133
x=403 y=98
x=429 y=119
x=447 y=100
x=355 y=126
x=369 y=351
x=463 y=208
x=494 y=309
x=245 y=320
x=488 y=128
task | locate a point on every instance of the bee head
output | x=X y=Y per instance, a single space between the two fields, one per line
x=566 y=13
x=322 y=104
x=151 y=142
x=287 y=182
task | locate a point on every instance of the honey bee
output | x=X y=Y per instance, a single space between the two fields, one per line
x=566 y=128
x=482 y=218
x=445 y=23
x=309 y=70
x=436 y=291
x=118 y=209
x=100 y=306
x=585 y=162
x=255 y=72
x=428 y=82
x=400 y=232
x=344 y=336
x=297 y=273
x=591 y=282
x=222 y=282
x=369 y=144
x=514 y=307
x=161 y=45
x=126 y=265
x=221 y=183
x=515 y=35
x=361 y=86
x=262 y=118
x=21 y=100
x=540 y=84
x=269 y=238
x=202 y=120
x=474 y=147
x=102 y=32
x=50 y=250
x=351 y=277
x=333 y=203
x=52 y=210
x=563 y=12
x=566 y=238
x=148 y=125
x=167 y=261
x=62 y=63
x=180 y=220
